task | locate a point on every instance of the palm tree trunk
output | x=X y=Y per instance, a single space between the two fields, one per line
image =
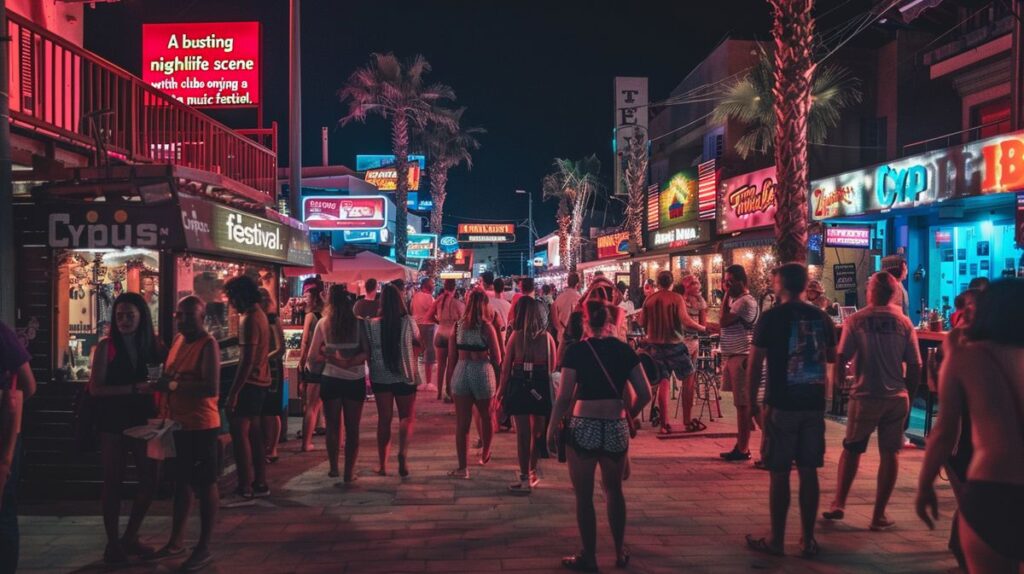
x=793 y=31
x=564 y=224
x=400 y=147
x=438 y=183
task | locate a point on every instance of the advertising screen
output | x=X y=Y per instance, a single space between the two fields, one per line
x=386 y=178
x=373 y=161
x=421 y=246
x=678 y=199
x=848 y=236
x=331 y=213
x=204 y=63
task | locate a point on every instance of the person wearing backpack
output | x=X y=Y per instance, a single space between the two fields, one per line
x=739 y=312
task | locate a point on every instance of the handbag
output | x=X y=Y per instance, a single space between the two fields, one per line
x=159 y=437
x=608 y=378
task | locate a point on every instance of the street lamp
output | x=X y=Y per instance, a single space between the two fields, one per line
x=529 y=229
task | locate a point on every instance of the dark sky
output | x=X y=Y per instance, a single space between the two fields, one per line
x=536 y=74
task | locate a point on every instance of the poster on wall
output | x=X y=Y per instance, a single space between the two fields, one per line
x=204 y=63
x=844 y=275
x=678 y=199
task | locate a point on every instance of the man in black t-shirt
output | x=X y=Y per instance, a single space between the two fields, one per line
x=799 y=341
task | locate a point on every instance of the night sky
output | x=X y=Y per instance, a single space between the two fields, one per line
x=536 y=74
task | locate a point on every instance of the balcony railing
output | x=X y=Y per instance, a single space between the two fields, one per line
x=953 y=138
x=66 y=92
x=987 y=23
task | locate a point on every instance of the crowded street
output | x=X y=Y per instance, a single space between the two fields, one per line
x=688 y=512
x=301 y=286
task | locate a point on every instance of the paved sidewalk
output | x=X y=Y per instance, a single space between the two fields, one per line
x=687 y=511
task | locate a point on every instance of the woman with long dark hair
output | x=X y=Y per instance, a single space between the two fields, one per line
x=525 y=388
x=340 y=341
x=446 y=311
x=474 y=358
x=595 y=373
x=309 y=387
x=125 y=399
x=983 y=377
x=273 y=406
x=392 y=337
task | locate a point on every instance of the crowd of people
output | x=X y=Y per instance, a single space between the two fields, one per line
x=563 y=370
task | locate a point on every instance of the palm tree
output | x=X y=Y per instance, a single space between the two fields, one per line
x=793 y=31
x=395 y=90
x=750 y=100
x=574 y=184
x=448 y=145
x=635 y=177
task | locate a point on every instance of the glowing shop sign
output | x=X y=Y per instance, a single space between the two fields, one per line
x=846 y=236
x=487 y=233
x=204 y=63
x=747 y=201
x=681 y=236
x=421 y=246
x=386 y=178
x=612 y=245
x=678 y=201
x=992 y=165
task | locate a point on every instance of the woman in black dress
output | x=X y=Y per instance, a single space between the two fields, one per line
x=124 y=399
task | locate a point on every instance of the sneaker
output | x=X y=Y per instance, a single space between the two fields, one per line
x=260 y=491
x=237 y=500
x=735 y=455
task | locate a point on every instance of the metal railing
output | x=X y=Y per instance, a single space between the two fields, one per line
x=954 y=138
x=66 y=92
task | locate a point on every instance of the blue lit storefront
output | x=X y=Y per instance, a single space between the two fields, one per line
x=952 y=212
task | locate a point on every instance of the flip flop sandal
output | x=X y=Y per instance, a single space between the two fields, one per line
x=809 y=550
x=834 y=514
x=667 y=429
x=578 y=563
x=695 y=426
x=761 y=545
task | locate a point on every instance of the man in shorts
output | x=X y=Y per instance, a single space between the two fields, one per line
x=420 y=305
x=881 y=341
x=665 y=320
x=739 y=311
x=798 y=341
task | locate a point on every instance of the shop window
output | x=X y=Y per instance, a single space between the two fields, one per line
x=959 y=253
x=205 y=278
x=88 y=282
x=990 y=119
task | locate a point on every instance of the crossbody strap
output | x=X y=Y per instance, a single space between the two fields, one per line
x=607 y=377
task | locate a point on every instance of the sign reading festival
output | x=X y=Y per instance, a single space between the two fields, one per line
x=988 y=166
x=486 y=233
x=204 y=63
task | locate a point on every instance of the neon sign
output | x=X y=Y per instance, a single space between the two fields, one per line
x=747 y=201
x=898 y=186
x=612 y=245
x=859 y=237
x=345 y=212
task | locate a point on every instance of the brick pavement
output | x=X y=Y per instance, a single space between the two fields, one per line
x=687 y=511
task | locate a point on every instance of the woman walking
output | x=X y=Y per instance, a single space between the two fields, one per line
x=446 y=311
x=983 y=378
x=124 y=399
x=309 y=387
x=594 y=373
x=340 y=341
x=525 y=387
x=474 y=358
x=392 y=337
x=273 y=406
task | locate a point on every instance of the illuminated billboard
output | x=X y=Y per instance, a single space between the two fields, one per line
x=421 y=246
x=340 y=212
x=373 y=161
x=612 y=245
x=386 y=178
x=487 y=233
x=678 y=199
x=747 y=201
x=848 y=236
x=204 y=63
